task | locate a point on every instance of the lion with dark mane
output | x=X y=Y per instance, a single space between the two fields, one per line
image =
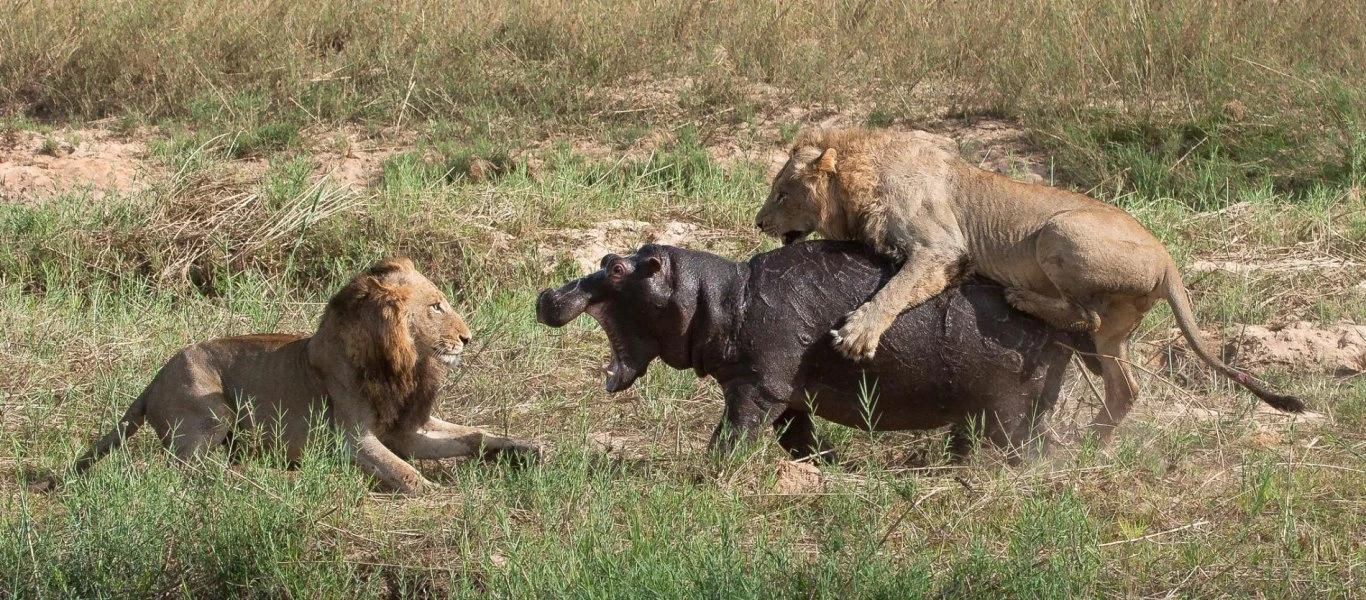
x=372 y=371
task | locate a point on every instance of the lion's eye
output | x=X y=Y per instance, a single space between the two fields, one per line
x=436 y=307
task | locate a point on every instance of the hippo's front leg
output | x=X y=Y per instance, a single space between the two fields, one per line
x=749 y=413
x=797 y=435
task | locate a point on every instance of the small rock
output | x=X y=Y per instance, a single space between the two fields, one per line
x=797 y=478
x=607 y=443
x=1234 y=110
x=479 y=170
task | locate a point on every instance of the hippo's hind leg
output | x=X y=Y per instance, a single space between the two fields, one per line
x=1014 y=434
x=965 y=437
x=797 y=435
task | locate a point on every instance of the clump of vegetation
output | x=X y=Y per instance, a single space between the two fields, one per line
x=1217 y=95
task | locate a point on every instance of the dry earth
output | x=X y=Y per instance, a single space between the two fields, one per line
x=34 y=165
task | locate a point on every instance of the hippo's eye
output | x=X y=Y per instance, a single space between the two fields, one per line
x=782 y=198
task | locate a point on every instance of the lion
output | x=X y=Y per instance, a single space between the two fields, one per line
x=372 y=370
x=1075 y=262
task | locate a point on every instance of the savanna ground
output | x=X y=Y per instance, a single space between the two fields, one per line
x=175 y=171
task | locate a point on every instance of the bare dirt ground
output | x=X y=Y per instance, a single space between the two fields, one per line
x=35 y=165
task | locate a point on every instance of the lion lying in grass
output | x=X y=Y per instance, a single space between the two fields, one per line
x=372 y=370
x=1071 y=260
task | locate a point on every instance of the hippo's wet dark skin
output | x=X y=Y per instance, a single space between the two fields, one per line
x=761 y=329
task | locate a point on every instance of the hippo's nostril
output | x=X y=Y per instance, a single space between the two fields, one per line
x=759 y=224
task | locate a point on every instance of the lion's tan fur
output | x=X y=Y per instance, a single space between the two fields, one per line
x=1071 y=260
x=373 y=369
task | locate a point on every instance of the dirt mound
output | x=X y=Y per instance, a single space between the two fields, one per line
x=36 y=165
x=797 y=478
x=1338 y=349
x=587 y=246
x=353 y=159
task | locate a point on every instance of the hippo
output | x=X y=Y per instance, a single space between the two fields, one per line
x=762 y=330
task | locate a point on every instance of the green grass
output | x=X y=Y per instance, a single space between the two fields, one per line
x=1234 y=134
x=1202 y=507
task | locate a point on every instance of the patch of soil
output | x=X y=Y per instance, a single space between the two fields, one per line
x=586 y=247
x=996 y=145
x=34 y=166
x=354 y=159
x=1340 y=348
x=797 y=478
x=1285 y=265
x=1337 y=349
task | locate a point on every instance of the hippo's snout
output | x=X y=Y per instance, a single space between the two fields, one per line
x=558 y=307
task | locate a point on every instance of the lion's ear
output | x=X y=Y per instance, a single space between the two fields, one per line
x=825 y=163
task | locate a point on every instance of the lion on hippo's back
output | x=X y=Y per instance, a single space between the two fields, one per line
x=1075 y=262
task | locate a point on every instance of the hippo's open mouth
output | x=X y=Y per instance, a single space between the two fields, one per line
x=793 y=236
x=621 y=370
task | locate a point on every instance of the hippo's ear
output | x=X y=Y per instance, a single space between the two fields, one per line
x=650 y=266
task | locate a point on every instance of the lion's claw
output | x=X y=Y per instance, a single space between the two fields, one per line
x=856 y=340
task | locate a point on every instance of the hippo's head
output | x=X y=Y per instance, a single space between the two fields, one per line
x=630 y=297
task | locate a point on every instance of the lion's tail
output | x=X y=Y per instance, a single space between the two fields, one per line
x=1185 y=319
x=127 y=426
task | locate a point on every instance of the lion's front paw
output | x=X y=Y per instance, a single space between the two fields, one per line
x=1018 y=299
x=518 y=454
x=415 y=486
x=858 y=338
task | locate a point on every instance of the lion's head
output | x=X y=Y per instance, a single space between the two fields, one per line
x=398 y=332
x=829 y=180
x=797 y=203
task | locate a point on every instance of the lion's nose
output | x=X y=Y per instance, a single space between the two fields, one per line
x=464 y=338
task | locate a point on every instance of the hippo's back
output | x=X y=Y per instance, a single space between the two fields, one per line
x=962 y=351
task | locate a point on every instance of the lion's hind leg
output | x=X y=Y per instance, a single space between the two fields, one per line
x=1058 y=312
x=195 y=427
